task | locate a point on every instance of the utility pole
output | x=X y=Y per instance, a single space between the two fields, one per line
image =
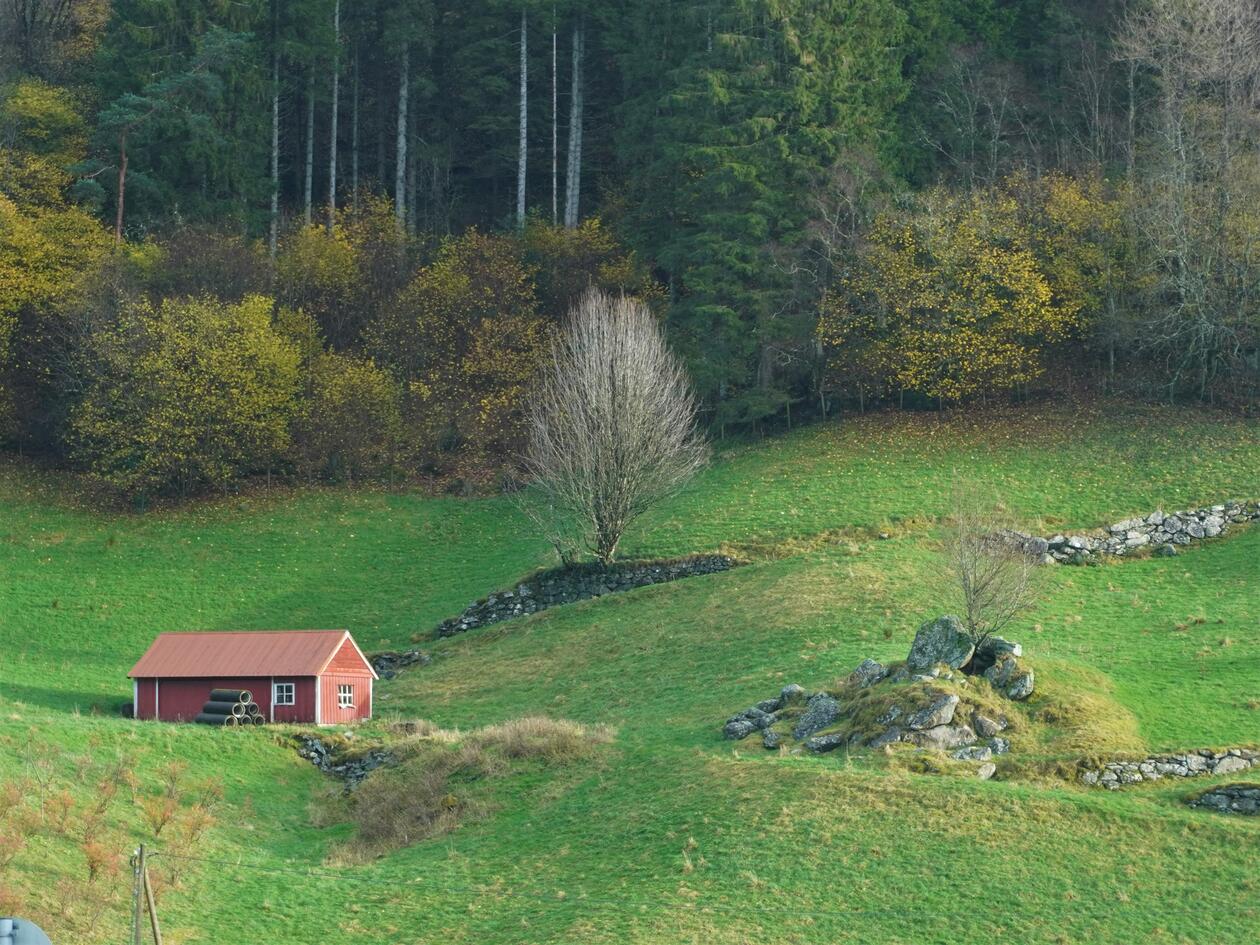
x=142 y=900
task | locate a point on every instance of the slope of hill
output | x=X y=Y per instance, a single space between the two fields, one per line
x=672 y=835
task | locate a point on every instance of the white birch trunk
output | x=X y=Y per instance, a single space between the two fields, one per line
x=573 y=173
x=555 y=150
x=310 y=145
x=354 y=137
x=274 y=232
x=523 y=142
x=400 y=150
x=332 y=131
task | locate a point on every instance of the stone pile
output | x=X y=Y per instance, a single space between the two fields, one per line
x=1230 y=799
x=1116 y=774
x=920 y=713
x=567 y=585
x=1164 y=532
x=351 y=770
x=388 y=664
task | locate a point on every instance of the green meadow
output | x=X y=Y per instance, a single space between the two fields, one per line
x=668 y=834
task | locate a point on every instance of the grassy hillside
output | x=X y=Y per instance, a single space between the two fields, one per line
x=674 y=835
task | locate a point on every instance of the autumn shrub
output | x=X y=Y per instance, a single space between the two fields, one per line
x=567 y=261
x=350 y=420
x=185 y=395
x=967 y=295
x=465 y=337
x=199 y=260
x=345 y=277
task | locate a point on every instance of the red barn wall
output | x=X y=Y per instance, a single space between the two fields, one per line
x=180 y=699
x=330 y=713
x=303 y=709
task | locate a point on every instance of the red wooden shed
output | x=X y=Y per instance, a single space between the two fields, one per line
x=318 y=676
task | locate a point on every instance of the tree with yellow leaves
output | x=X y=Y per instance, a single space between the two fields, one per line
x=466 y=338
x=966 y=295
x=185 y=394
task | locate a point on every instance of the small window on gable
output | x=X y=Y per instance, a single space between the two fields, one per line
x=345 y=697
x=284 y=694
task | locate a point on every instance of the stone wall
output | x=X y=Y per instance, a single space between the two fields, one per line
x=1164 y=532
x=567 y=585
x=1230 y=799
x=350 y=770
x=1116 y=774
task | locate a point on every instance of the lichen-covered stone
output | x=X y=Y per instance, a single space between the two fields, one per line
x=942 y=738
x=939 y=712
x=1010 y=677
x=943 y=640
x=820 y=711
x=867 y=673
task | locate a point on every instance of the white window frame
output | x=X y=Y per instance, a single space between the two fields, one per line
x=291 y=688
x=345 y=696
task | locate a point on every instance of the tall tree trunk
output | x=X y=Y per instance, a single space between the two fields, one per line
x=573 y=171
x=310 y=145
x=274 y=230
x=555 y=150
x=524 y=118
x=411 y=176
x=332 y=131
x=400 y=150
x=354 y=136
x=122 y=186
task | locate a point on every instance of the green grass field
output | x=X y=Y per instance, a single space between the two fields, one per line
x=673 y=835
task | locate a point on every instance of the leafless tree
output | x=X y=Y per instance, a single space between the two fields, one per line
x=1200 y=181
x=990 y=569
x=611 y=427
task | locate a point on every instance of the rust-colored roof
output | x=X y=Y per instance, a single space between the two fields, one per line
x=241 y=653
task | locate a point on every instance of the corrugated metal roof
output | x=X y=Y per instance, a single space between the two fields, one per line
x=239 y=653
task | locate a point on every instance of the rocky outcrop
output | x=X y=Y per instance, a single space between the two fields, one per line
x=388 y=664
x=1116 y=774
x=1230 y=799
x=877 y=706
x=352 y=769
x=1162 y=532
x=568 y=585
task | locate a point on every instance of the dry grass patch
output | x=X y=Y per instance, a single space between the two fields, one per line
x=445 y=778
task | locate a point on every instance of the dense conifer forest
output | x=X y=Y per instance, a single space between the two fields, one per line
x=327 y=240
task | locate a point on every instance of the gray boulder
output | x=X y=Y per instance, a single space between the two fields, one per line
x=943 y=737
x=825 y=743
x=736 y=729
x=940 y=712
x=889 y=736
x=791 y=694
x=820 y=711
x=985 y=727
x=986 y=771
x=1010 y=677
x=867 y=673
x=771 y=739
x=942 y=640
x=972 y=753
x=999 y=745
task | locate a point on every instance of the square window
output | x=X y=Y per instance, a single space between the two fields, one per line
x=345 y=697
x=284 y=694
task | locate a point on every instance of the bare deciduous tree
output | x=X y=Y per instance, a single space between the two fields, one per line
x=1199 y=183
x=989 y=567
x=612 y=427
